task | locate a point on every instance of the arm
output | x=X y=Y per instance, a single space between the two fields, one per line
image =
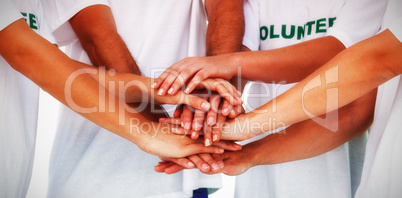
x=254 y=64
x=351 y=74
x=50 y=69
x=225 y=18
x=303 y=140
x=96 y=29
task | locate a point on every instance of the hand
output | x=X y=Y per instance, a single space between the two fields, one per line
x=157 y=139
x=183 y=116
x=206 y=163
x=230 y=163
x=222 y=87
x=199 y=68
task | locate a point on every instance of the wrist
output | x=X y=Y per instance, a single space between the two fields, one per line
x=236 y=64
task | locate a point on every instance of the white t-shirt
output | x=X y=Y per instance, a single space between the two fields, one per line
x=18 y=106
x=88 y=161
x=272 y=24
x=382 y=174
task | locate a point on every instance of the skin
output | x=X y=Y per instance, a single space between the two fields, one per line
x=280 y=60
x=381 y=56
x=224 y=35
x=34 y=57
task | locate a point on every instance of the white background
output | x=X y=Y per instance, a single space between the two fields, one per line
x=48 y=119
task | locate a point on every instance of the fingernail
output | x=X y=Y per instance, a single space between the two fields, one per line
x=238 y=146
x=211 y=121
x=160 y=92
x=215 y=166
x=197 y=126
x=221 y=164
x=239 y=92
x=220 y=150
x=170 y=90
x=215 y=138
x=175 y=130
x=232 y=112
x=153 y=85
x=205 y=166
x=190 y=165
x=162 y=119
x=205 y=105
x=187 y=91
x=207 y=142
x=182 y=124
x=194 y=135
x=187 y=125
x=225 y=111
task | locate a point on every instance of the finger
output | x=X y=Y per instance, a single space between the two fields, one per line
x=207 y=135
x=212 y=114
x=177 y=113
x=200 y=163
x=175 y=168
x=175 y=68
x=197 y=79
x=186 y=117
x=227 y=145
x=183 y=77
x=198 y=120
x=226 y=108
x=195 y=135
x=218 y=159
x=227 y=94
x=210 y=160
x=165 y=74
x=217 y=129
x=236 y=111
x=180 y=131
x=176 y=121
x=200 y=148
x=197 y=102
x=162 y=166
x=165 y=87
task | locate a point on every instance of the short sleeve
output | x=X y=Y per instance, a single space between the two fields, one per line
x=9 y=13
x=358 y=20
x=57 y=14
x=251 y=38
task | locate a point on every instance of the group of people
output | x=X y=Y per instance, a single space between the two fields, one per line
x=163 y=86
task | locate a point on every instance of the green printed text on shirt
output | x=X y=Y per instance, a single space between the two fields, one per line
x=293 y=31
x=31 y=19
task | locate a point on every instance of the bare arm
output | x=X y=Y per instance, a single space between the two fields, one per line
x=351 y=74
x=305 y=139
x=301 y=59
x=97 y=32
x=50 y=69
x=226 y=26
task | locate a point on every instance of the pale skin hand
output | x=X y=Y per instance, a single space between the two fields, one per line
x=224 y=35
x=253 y=64
x=381 y=56
x=300 y=141
x=50 y=69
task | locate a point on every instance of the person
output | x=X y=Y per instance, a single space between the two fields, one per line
x=28 y=59
x=152 y=30
x=320 y=34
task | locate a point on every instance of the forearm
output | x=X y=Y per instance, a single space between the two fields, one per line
x=97 y=32
x=338 y=82
x=226 y=26
x=288 y=64
x=55 y=73
x=309 y=139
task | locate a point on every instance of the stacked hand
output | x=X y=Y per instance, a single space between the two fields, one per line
x=224 y=100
